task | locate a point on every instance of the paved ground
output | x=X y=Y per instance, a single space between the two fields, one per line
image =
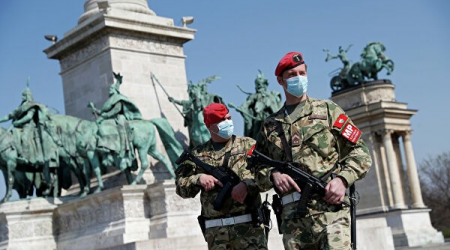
x=445 y=246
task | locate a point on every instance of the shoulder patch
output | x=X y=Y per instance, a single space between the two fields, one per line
x=341 y=120
x=347 y=130
x=351 y=132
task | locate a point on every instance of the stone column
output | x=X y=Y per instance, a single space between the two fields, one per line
x=396 y=184
x=414 y=184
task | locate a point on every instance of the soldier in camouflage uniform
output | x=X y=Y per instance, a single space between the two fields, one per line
x=231 y=227
x=314 y=134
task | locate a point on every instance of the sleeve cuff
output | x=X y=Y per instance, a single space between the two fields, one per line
x=348 y=177
x=195 y=179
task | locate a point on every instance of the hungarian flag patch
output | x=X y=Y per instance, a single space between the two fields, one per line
x=250 y=152
x=341 y=120
x=348 y=130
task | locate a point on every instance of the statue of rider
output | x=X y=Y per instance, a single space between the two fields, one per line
x=258 y=106
x=199 y=98
x=204 y=97
x=187 y=106
x=343 y=57
x=117 y=108
x=35 y=146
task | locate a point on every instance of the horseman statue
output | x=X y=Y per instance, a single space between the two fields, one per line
x=258 y=106
x=199 y=98
x=373 y=61
x=112 y=125
x=35 y=146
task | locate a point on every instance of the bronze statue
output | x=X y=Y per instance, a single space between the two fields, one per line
x=75 y=145
x=115 y=111
x=343 y=57
x=199 y=98
x=121 y=131
x=258 y=106
x=35 y=146
x=373 y=61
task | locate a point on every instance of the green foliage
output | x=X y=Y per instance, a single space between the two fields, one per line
x=446 y=233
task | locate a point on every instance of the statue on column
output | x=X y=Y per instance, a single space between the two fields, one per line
x=373 y=61
x=343 y=57
x=258 y=106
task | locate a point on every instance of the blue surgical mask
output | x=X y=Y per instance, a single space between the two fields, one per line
x=297 y=85
x=225 y=129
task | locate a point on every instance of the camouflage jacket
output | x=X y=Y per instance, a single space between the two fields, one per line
x=318 y=140
x=187 y=177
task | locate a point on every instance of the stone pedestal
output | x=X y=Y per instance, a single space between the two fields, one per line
x=111 y=218
x=413 y=227
x=391 y=200
x=172 y=216
x=27 y=224
x=373 y=233
x=125 y=218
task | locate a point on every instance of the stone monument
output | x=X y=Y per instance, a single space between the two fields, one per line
x=116 y=36
x=391 y=203
x=124 y=36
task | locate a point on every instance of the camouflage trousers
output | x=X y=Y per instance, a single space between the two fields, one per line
x=317 y=231
x=240 y=236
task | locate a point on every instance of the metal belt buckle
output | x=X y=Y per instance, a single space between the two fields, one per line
x=228 y=221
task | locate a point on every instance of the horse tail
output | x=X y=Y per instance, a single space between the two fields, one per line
x=167 y=135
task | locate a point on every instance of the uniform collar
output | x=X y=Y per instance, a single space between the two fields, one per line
x=219 y=154
x=283 y=117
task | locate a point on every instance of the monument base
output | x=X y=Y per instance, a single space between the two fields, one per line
x=27 y=224
x=155 y=217
x=412 y=227
x=373 y=233
x=407 y=227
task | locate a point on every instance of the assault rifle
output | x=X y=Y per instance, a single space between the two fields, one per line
x=226 y=176
x=308 y=183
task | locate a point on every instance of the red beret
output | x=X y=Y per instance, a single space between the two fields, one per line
x=214 y=112
x=289 y=61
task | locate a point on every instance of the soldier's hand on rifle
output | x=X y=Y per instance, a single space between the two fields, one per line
x=239 y=192
x=208 y=182
x=170 y=99
x=284 y=182
x=335 y=191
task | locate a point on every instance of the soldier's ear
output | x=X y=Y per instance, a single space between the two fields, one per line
x=280 y=80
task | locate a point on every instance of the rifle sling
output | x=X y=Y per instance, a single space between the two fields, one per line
x=287 y=148
x=228 y=153
x=304 y=200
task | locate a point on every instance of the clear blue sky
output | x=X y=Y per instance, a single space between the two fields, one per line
x=236 y=38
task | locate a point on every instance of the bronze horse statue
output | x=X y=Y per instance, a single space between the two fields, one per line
x=77 y=143
x=373 y=61
x=143 y=137
x=24 y=177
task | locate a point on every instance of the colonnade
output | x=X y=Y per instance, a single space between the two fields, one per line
x=393 y=160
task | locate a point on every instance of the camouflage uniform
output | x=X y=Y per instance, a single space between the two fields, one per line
x=318 y=143
x=238 y=236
